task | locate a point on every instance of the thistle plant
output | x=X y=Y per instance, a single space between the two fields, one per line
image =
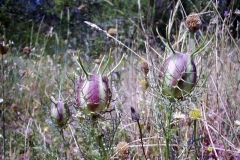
x=3 y=50
x=93 y=98
x=60 y=114
x=178 y=74
x=93 y=94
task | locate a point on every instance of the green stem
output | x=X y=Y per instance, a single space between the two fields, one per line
x=109 y=58
x=64 y=143
x=168 y=39
x=100 y=143
x=192 y=44
x=195 y=132
x=81 y=65
x=140 y=130
x=116 y=65
x=3 y=111
x=167 y=137
x=98 y=138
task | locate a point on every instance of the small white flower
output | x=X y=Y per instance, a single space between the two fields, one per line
x=178 y=115
x=1 y=100
x=237 y=122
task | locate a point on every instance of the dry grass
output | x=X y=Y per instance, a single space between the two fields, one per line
x=30 y=81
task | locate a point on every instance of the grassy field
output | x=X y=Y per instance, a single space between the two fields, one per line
x=203 y=124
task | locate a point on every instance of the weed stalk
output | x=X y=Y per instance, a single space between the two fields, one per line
x=195 y=132
x=3 y=111
x=64 y=143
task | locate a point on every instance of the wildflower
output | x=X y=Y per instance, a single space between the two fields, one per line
x=237 y=122
x=60 y=113
x=46 y=128
x=193 y=22
x=1 y=100
x=209 y=149
x=178 y=115
x=195 y=113
x=178 y=75
x=123 y=149
x=93 y=94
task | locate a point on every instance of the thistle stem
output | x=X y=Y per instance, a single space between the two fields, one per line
x=167 y=136
x=3 y=111
x=195 y=132
x=191 y=42
x=64 y=143
x=140 y=130
x=98 y=138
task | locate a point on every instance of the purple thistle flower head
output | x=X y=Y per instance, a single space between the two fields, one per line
x=60 y=113
x=94 y=94
x=178 y=75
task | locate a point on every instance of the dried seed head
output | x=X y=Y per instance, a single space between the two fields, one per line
x=3 y=48
x=193 y=22
x=112 y=31
x=135 y=115
x=144 y=68
x=14 y=107
x=123 y=149
x=27 y=50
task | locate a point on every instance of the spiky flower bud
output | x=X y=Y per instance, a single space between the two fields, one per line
x=60 y=113
x=178 y=75
x=193 y=22
x=94 y=94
